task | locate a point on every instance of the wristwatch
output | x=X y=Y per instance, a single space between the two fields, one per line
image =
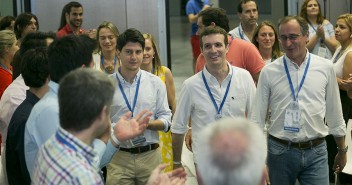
x=343 y=150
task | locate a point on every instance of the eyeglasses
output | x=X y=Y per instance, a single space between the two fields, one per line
x=290 y=36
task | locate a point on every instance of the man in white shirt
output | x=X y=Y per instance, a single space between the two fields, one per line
x=219 y=90
x=136 y=90
x=301 y=91
x=247 y=12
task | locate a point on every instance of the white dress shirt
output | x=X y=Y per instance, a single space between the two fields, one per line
x=318 y=99
x=195 y=101
x=151 y=96
x=13 y=96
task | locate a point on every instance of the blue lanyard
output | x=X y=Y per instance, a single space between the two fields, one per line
x=290 y=81
x=135 y=95
x=337 y=56
x=65 y=142
x=239 y=31
x=102 y=63
x=211 y=95
x=321 y=40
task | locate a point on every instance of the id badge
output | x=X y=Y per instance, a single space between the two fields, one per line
x=292 y=117
x=322 y=51
x=138 y=140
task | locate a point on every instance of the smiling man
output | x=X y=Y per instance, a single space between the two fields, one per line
x=71 y=21
x=247 y=12
x=301 y=91
x=219 y=90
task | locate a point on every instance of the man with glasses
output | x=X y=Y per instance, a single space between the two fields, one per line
x=300 y=89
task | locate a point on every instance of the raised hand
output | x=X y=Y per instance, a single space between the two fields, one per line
x=127 y=127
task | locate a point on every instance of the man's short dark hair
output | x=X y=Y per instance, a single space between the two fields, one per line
x=130 y=35
x=68 y=53
x=6 y=22
x=67 y=9
x=213 y=30
x=239 y=6
x=31 y=41
x=82 y=95
x=217 y=16
x=35 y=67
x=22 y=21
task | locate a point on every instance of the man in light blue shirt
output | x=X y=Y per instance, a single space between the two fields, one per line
x=64 y=55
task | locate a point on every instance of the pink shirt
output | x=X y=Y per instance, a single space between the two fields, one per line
x=241 y=54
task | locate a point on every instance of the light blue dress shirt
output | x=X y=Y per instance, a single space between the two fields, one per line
x=152 y=96
x=43 y=122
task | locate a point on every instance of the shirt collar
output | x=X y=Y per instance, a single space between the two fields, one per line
x=209 y=76
x=80 y=147
x=32 y=98
x=54 y=86
x=303 y=63
x=123 y=81
x=69 y=30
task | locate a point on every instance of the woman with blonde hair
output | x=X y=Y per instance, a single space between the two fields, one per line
x=8 y=48
x=151 y=63
x=322 y=40
x=342 y=60
x=106 y=58
x=266 y=40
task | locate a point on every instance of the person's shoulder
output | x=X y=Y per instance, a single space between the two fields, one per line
x=320 y=62
x=326 y=22
x=155 y=80
x=241 y=43
x=233 y=31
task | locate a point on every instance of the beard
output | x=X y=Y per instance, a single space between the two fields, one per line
x=76 y=24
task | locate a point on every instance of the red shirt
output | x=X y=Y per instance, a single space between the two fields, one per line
x=67 y=30
x=5 y=79
x=241 y=54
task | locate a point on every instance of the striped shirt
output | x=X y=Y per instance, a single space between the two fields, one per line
x=64 y=159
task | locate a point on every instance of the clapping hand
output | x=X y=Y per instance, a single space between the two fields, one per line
x=127 y=127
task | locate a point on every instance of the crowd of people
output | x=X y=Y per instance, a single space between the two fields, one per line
x=267 y=104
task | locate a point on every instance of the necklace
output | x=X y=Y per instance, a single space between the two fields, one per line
x=109 y=69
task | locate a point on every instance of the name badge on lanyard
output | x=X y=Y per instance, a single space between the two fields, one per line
x=292 y=122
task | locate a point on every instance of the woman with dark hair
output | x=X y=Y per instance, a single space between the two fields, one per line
x=322 y=40
x=25 y=23
x=7 y=23
x=266 y=40
x=106 y=57
x=151 y=63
